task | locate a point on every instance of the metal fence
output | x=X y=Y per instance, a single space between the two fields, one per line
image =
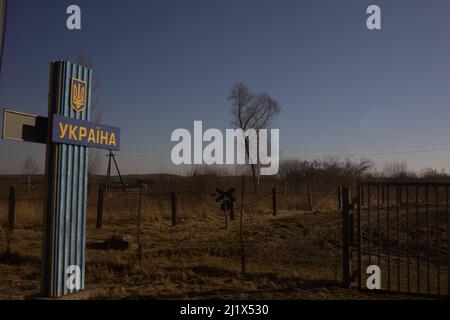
x=403 y=228
x=116 y=206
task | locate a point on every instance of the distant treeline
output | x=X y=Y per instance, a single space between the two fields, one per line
x=295 y=176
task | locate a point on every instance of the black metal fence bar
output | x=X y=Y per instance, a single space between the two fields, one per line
x=427 y=222
x=447 y=212
x=418 y=239
x=346 y=237
x=404 y=227
x=369 y=214
x=406 y=183
x=379 y=225
x=438 y=238
x=408 y=267
x=388 y=225
x=398 y=192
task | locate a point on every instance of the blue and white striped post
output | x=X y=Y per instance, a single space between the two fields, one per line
x=64 y=241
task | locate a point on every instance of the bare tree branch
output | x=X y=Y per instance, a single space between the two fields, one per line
x=252 y=111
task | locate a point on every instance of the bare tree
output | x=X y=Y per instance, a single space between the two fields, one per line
x=324 y=174
x=433 y=174
x=396 y=169
x=252 y=111
x=94 y=163
x=30 y=167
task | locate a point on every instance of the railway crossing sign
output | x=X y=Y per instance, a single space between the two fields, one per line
x=68 y=133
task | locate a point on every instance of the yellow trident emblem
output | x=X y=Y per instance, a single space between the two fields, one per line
x=78 y=94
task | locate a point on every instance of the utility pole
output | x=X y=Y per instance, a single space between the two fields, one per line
x=3 y=12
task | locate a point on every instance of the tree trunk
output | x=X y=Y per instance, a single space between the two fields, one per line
x=254 y=168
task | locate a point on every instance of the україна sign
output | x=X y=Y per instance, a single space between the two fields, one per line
x=85 y=133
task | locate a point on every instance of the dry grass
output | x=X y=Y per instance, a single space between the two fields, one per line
x=295 y=255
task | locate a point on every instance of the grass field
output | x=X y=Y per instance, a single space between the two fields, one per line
x=294 y=255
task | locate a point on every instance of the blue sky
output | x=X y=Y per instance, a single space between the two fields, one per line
x=162 y=64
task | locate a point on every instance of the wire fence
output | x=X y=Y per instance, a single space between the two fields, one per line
x=158 y=206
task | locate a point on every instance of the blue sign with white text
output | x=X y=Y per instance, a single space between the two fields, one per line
x=84 y=133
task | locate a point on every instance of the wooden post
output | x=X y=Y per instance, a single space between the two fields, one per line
x=340 y=197
x=100 y=207
x=12 y=208
x=226 y=219
x=346 y=237
x=231 y=210
x=232 y=207
x=173 y=197
x=274 y=201
x=139 y=243
x=11 y=218
x=310 y=204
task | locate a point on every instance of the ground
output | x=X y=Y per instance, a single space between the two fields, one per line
x=295 y=255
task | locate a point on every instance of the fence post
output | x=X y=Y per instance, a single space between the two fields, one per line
x=173 y=197
x=139 y=242
x=274 y=201
x=346 y=236
x=340 y=197
x=12 y=208
x=11 y=217
x=100 y=207
x=352 y=226
x=310 y=204
x=359 y=204
x=232 y=210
